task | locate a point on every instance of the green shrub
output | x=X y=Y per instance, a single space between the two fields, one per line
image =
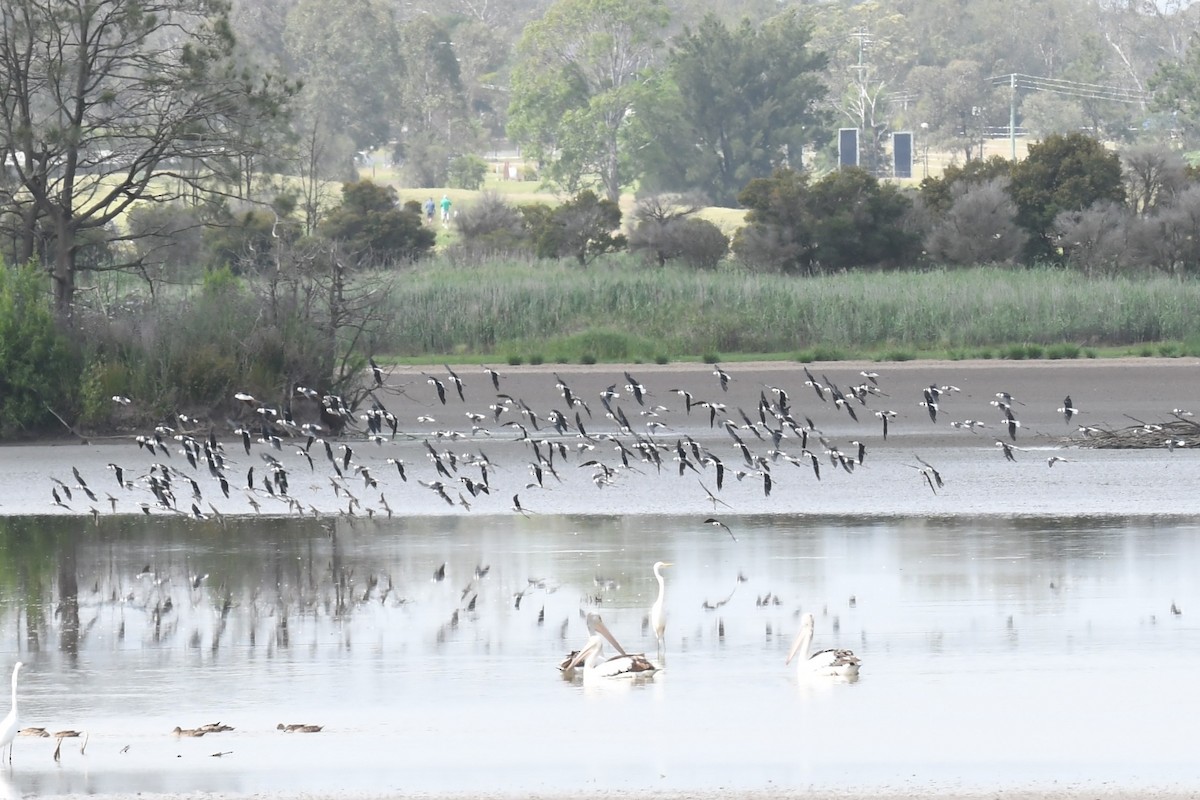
x=38 y=371
x=102 y=380
x=467 y=172
x=1065 y=350
x=374 y=229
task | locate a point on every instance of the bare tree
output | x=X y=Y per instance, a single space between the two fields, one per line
x=107 y=103
x=1153 y=175
x=980 y=227
x=1098 y=240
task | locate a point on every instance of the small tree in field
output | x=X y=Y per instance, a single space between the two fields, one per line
x=666 y=230
x=584 y=227
x=370 y=225
x=468 y=172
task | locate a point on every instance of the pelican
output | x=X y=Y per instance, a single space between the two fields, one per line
x=830 y=663
x=594 y=663
x=658 y=617
x=10 y=725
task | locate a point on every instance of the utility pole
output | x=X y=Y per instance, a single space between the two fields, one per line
x=1012 y=116
x=864 y=41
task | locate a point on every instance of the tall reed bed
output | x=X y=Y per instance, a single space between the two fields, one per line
x=519 y=308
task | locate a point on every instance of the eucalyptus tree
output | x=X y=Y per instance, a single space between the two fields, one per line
x=347 y=55
x=733 y=105
x=1176 y=87
x=435 y=116
x=108 y=103
x=948 y=101
x=576 y=77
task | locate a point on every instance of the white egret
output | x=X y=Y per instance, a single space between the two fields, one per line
x=830 y=663
x=8 y=728
x=658 y=617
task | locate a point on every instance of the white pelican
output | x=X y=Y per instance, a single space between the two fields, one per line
x=658 y=617
x=831 y=663
x=10 y=725
x=595 y=665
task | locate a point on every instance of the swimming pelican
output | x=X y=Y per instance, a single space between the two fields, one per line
x=658 y=617
x=594 y=663
x=831 y=663
x=10 y=725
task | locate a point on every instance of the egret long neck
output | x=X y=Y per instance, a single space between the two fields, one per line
x=14 y=688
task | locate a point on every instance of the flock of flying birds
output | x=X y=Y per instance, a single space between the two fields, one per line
x=282 y=464
x=626 y=429
x=287 y=456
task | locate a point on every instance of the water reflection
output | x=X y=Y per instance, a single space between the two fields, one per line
x=437 y=639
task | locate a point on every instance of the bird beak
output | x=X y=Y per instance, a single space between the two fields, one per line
x=602 y=629
x=805 y=634
x=583 y=654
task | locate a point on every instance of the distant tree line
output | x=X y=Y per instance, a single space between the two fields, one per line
x=1071 y=202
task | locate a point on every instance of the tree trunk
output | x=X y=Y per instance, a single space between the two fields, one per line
x=612 y=180
x=64 y=271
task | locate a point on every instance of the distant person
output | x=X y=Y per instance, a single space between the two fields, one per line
x=429 y=208
x=445 y=209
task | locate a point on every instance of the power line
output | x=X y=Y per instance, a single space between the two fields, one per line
x=1035 y=83
x=1090 y=91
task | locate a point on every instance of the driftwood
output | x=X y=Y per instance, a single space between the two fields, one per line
x=1181 y=431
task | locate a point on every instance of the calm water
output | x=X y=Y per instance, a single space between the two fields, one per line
x=998 y=649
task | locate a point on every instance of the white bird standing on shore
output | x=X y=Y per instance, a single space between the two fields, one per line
x=823 y=663
x=10 y=725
